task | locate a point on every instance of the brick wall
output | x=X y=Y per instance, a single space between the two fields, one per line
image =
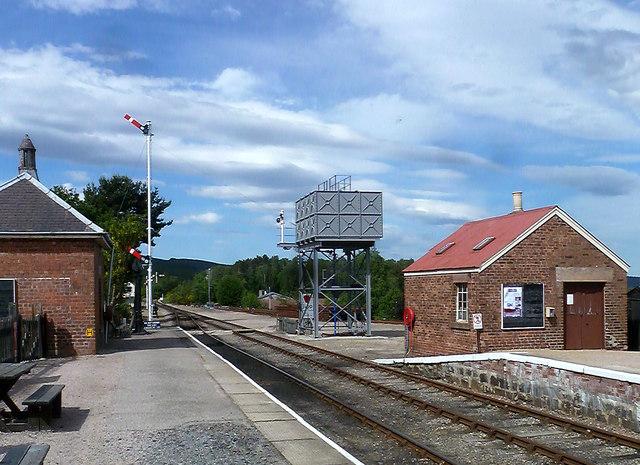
x=60 y=277
x=533 y=261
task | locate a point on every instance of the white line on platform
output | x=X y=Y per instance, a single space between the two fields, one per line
x=301 y=420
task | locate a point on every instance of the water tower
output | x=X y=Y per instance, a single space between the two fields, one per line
x=335 y=230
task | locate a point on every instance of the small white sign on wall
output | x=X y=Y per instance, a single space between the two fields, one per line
x=569 y=299
x=477 y=320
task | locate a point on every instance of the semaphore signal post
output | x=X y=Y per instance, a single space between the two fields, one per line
x=146 y=130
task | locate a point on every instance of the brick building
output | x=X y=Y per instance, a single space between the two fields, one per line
x=538 y=278
x=50 y=261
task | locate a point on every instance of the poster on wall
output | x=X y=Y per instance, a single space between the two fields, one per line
x=522 y=306
x=512 y=298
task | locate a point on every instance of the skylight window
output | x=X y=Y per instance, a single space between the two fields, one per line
x=483 y=242
x=444 y=248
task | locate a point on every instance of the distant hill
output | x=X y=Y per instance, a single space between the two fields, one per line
x=183 y=268
x=633 y=281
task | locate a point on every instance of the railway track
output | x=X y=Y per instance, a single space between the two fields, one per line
x=439 y=421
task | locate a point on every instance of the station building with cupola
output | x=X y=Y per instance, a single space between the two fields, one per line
x=51 y=261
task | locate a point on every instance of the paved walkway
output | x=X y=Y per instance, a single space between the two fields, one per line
x=616 y=360
x=161 y=398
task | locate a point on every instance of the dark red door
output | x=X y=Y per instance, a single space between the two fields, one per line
x=584 y=315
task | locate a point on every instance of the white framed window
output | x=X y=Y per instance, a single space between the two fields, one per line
x=462 y=302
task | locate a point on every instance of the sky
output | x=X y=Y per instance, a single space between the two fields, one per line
x=445 y=107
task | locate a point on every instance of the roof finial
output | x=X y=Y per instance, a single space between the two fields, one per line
x=27 y=153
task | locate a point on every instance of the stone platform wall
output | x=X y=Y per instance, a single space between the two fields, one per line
x=609 y=401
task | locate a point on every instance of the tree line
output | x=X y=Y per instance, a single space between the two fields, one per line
x=239 y=284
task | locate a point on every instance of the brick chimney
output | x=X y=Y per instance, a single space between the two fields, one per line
x=27 y=154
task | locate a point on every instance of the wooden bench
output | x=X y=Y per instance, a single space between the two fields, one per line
x=43 y=405
x=32 y=454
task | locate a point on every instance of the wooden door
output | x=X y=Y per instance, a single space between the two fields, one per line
x=584 y=315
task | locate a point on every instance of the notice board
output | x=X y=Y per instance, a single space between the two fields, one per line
x=522 y=306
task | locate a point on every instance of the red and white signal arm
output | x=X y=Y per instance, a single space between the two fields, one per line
x=135 y=253
x=477 y=320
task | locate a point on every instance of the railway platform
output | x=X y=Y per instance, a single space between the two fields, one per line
x=163 y=398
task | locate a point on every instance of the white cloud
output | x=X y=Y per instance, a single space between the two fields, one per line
x=598 y=180
x=79 y=177
x=227 y=11
x=237 y=192
x=82 y=7
x=274 y=207
x=398 y=242
x=196 y=130
x=611 y=220
x=204 y=218
x=501 y=60
x=623 y=158
x=442 y=156
x=106 y=56
x=441 y=174
x=79 y=7
x=235 y=83
x=394 y=118
x=432 y=211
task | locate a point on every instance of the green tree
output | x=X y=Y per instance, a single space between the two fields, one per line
x=387 y=286
x=229 y=290
x=119 y=206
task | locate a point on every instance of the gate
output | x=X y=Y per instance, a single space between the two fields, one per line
x=31 y=338
x=29 y=335
x=6 y=339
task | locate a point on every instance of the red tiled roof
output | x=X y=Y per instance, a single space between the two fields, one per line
x=505 y=229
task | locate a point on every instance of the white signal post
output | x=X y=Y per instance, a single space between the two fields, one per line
x=280 y=221
x=146 y=130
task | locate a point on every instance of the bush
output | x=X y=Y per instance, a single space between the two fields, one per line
x=121 y=309
x=250 y=300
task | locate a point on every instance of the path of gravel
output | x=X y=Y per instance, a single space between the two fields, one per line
x=148 y=400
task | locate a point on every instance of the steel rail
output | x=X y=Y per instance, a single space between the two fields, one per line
x=474 y=424
x=567 y=423
x=422 y=449
x=572 y=425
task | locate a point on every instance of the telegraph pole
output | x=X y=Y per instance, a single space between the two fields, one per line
x=146 y=130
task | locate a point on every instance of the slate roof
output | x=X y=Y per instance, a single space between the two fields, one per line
x=29 y=208
x=500 y=234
